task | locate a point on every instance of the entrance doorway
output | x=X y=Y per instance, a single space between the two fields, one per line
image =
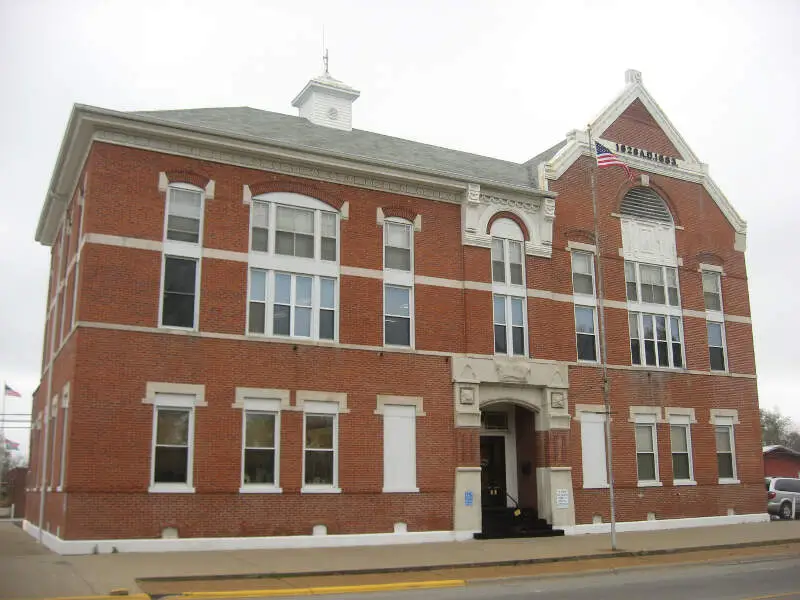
x=493 y=471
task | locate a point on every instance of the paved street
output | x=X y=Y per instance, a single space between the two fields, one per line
x=777 y=578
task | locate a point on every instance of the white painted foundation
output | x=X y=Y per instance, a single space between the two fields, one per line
x=71 y=547
x=661 y=525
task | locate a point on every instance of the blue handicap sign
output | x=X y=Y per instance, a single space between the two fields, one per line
x=468 y=498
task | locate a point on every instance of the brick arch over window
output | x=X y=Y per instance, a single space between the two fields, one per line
x=504 y=214
x=306 y=189
x=190 y=177
x=709 y=258
x=576 y=234
x=401 y=212
x=628 y=187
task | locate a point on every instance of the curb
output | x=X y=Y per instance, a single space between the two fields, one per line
x=334 y=589
x=468 y=565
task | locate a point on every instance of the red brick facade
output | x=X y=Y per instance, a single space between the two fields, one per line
x=116 y=347
x=779 y=462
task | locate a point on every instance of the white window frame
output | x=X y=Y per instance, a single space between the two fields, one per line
x=64 y=431
x=682 y=421
x=590 y=256
x=718 y=321
x=273 y=263
x=173 y=401
x=53 y=433
x=640 y=319
x=409 y=226
x=650 y=421
x=189 y=188
x=321 y=408
x=718 y=420
x=585 y=301
x=399 y=279
x=664 y=277
x=508 y=232
x=262 y=406
x=508 y=301
x=197 y=274
x=718 y=276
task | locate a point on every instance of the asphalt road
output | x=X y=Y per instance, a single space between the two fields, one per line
x=774 y=578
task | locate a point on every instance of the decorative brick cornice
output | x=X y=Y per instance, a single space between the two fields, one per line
x=190 y=177
x=575 y=234
x=504 y=214
x=297 y=187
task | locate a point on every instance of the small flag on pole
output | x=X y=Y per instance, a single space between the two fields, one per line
x=11 y=392
x=10 y=445
x=606 y=158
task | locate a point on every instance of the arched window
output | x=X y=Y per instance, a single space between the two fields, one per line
x=294 y=267
x=508 y=288
x=651 y=280
x=645 y=203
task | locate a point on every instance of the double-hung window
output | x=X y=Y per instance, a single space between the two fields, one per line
x=320 y=446
x=585 y=305
x=681 y=445
x=646 y=452
x=260 y=447
x=726 y=461
x=293 y=286
x=654 y=315
x=509 y=294
x=398 y=282
x=715 y=319
x=173 y=440
x=183 y=238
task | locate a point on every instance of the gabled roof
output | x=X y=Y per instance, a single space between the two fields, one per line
x=297 y=131
x=778 y=448
x=552 y=165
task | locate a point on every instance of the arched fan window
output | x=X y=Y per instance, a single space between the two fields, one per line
x=645 y=203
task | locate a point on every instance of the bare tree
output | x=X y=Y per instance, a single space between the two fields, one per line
x=779 y=430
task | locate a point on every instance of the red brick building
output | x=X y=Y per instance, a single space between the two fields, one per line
x=266 y=330
x=780 y=461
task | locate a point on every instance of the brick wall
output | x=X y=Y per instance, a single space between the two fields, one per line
x=107 y=479
x=779 y=464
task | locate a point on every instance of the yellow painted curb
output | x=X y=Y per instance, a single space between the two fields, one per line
x=334 y=589
x=103 y=597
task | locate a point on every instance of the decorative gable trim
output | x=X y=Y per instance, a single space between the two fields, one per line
x=688 y=168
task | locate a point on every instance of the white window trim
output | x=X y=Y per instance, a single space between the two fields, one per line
x=649 y=307
x=411 y=315
x=640 y=314
x=167 y=401
x=509 y=327
x=64 y=432
x=650 y=418
x=728 y=417
x=384 y=400
x=316 y=407
x=596 y=335
x=177 y=247
x=718 y=273
x=262 y=405
x=273 y=263
x=53 y=433
x=399 y=278
x=685 y=420
x=197 y=275
x=718 y=319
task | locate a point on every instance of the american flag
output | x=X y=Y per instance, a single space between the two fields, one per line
x=606 y=158
x=11 y=392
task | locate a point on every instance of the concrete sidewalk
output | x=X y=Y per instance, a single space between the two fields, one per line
x=30 y=571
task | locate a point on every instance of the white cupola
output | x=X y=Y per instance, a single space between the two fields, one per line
x=327 y=101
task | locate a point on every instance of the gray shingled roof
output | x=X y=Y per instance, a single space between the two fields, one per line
x=297 y=131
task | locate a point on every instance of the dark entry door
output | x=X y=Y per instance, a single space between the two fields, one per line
x=493 y=470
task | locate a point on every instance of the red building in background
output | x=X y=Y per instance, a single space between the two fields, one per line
x=780 y=461
x=267 y=330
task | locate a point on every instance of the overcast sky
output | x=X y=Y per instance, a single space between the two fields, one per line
x=503 y=79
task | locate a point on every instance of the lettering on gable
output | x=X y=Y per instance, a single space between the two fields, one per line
x=647 y=154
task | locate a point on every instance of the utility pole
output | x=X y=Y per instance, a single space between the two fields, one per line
x=603 y=353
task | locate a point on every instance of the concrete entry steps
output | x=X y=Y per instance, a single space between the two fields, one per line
x=510 y=522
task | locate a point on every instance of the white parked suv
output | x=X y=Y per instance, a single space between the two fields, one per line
x=780 y=493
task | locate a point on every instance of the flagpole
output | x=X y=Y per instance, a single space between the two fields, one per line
x=603 y=354
x=3 y=435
